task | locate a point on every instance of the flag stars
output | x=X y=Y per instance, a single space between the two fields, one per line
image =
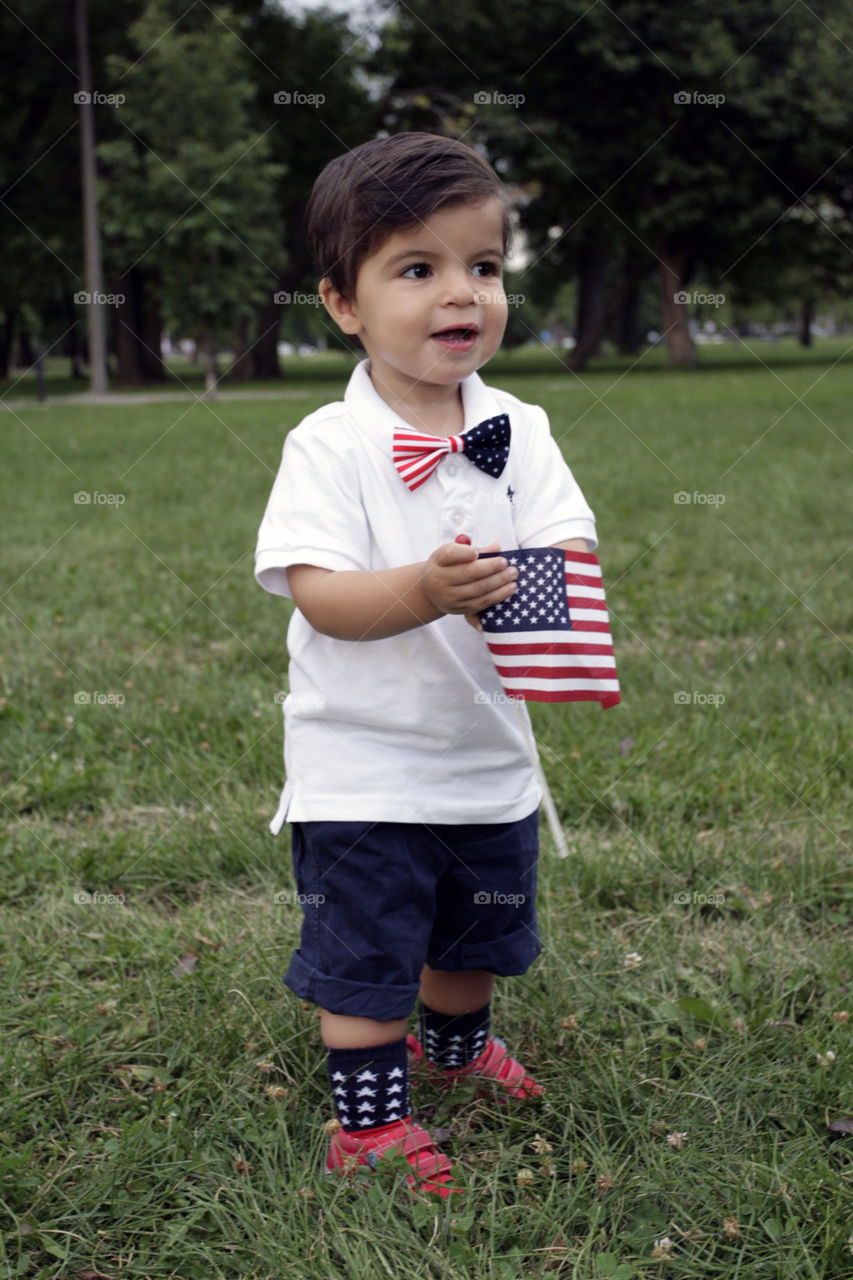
x=531 y=638
x=540 y=599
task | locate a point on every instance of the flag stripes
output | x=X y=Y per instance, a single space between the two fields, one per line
x=551 y=641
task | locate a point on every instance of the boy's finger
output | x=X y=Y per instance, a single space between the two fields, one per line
x=486 y=602
x=477 y=572
x=483 y=594
x=450 y=553
x=488 y=574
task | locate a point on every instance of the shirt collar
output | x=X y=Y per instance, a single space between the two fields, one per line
x=378 y=420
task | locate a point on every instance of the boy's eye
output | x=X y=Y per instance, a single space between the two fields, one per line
x=418 y=271
x=487 y=269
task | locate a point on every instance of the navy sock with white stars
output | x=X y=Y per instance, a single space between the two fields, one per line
x=454 y=1040
x=370 y=1087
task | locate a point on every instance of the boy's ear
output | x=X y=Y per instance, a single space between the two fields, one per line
x=341 y=309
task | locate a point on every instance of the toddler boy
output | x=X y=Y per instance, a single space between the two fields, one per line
x=412 y=798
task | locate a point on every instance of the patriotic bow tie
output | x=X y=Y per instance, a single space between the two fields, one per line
x=416 y=456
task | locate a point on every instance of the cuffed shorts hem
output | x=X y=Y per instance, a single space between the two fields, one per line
x=513 y=955
x=384 y=1002
x=356 y=999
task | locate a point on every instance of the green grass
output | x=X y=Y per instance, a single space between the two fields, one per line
x=708 y=822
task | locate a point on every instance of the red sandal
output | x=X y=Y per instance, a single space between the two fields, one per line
x=432 y=1172
x=493 y=1064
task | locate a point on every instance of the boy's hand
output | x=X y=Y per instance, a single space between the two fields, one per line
x=456 y=581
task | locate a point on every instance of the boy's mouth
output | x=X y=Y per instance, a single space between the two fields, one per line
x=458 y=338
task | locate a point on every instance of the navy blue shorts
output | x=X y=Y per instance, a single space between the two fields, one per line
x=381 y=898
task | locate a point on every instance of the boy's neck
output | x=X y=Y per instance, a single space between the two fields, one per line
x=435 y=410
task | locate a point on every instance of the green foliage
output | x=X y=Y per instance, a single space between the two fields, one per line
x=750 y=163
x=205 y=177
x=190 y=188
x=40 y=158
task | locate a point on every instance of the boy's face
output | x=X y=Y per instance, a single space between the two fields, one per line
x=429 y=305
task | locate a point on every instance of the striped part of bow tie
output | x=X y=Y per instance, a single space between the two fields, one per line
x=416 y=456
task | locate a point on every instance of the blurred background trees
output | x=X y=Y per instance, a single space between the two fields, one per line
x=659 y=157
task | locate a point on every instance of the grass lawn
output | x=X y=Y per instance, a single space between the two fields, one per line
x=164 y=1096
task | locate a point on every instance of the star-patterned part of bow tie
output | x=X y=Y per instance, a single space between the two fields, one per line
x=416 y=456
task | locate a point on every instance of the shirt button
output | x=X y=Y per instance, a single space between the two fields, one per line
x=457 y=516
x=451 y=468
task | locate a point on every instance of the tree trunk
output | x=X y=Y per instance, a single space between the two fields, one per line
x=672 y=275
x=265 y=350
x=629 y=322
x=593 y=273
x=261 y=358
x=126 y=334
x=153 y=368
x=78 y=354
x=594 y=333
x=242 y=367
x=137 y=329
x=7 y=338
x=26 y=350
x=211 y=369
x=806 y=317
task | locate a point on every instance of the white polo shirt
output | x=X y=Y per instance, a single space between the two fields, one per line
x=415 y=727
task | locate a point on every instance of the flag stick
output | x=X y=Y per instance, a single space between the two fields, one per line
x=547 y=800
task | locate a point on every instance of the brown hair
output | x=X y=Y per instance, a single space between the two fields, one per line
x=365 y=195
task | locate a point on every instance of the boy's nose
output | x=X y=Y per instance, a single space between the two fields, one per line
x=460 y=287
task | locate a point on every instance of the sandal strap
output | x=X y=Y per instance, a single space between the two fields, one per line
x=494 y=1063
x=419 y=1149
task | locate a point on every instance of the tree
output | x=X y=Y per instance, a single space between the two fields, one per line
x=40 y=168
x=660 y=138
x=189 y=190
x=314 y=61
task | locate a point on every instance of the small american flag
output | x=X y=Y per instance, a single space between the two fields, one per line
x=551 y=640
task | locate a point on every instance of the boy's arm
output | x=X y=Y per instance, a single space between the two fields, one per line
x=573 y=544
x=361 y=604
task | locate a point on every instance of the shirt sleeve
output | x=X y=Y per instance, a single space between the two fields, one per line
x=551 y=507
x=314 y=515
